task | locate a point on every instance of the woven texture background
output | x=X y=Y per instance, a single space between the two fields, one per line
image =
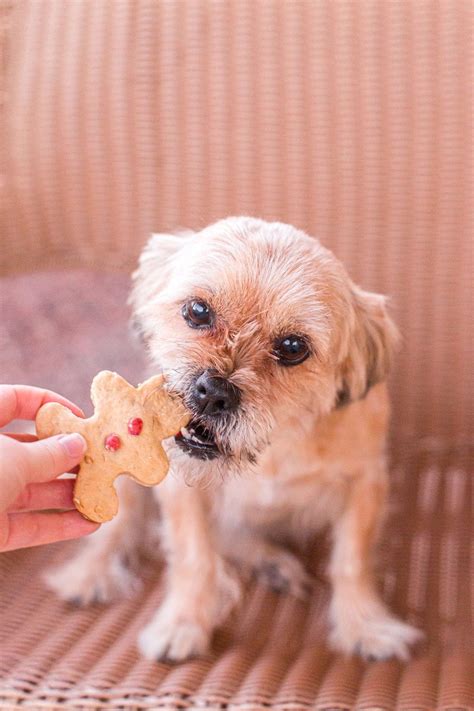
x=350 y=119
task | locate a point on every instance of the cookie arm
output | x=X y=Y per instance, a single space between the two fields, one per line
x=154 y=470
x=174 y=417
x=170 y=412
x=150 y=387
x=53 y=419
x=167 y=409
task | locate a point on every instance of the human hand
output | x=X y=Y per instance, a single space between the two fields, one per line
x=28 y=471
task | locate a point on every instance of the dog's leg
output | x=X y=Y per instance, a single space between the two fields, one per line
x=201 y=589
x=279 y=568
x=361 y=623
x=100 y=569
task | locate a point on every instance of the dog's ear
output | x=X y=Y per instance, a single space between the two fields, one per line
x=152 y=274
x=371 y=344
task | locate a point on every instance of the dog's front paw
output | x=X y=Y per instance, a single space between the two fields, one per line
x=380 y=636
x=173 y=639
x=89 y=581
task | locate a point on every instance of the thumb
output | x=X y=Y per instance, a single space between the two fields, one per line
x=52 y=456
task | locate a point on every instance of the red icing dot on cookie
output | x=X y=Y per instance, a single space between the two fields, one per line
x=135 y=425
x=112 y=442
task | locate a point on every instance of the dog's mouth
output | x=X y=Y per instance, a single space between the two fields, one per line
x=197 y=441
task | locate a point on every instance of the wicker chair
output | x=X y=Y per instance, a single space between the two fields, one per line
x=349 y=119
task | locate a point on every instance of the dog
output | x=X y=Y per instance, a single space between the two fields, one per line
x=282 y=361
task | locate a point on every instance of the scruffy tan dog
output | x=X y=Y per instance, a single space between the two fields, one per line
x=281 y=359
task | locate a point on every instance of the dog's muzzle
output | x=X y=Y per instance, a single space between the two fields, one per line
x=213 y=395
x=211 y=400
x=197 y=441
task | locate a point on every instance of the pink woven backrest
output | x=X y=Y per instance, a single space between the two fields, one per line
x=348 y=119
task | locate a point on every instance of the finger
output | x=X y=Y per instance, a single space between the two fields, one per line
x=36 y=529
x=56 y=494
x=21 y=437
x=22 y=402
x=52 y=456
x=27 y=463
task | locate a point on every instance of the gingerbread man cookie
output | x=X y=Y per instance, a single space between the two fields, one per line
x=123 y=437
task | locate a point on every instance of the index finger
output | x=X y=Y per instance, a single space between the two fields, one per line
x=22 y=402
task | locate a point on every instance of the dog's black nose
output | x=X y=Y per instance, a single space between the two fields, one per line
x=214 y=395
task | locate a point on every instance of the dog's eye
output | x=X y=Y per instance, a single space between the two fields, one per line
x=197 y=314
x=291 y=350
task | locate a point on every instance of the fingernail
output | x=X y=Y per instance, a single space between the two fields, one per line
x=75 y=444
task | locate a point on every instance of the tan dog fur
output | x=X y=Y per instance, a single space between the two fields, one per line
x=306 y=448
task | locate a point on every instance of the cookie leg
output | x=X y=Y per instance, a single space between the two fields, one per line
x=95 y=499
x=201 y=587
x=100 y=571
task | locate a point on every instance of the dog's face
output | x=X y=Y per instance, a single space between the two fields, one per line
x=254 y=323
